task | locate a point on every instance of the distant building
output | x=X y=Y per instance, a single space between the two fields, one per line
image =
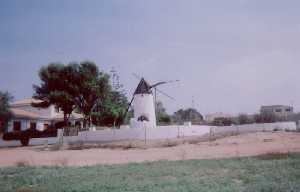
x=27 y=117
x=211 y=117
x=278 y=110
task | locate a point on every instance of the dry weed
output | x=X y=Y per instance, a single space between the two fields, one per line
x=62 y=162
x=169 y=143
x=22 y=163
x=274 y=155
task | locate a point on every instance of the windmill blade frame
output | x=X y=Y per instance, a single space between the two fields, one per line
x=165 y=94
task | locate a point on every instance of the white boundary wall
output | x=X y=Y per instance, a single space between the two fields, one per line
x=161 y=132
x=255 y=127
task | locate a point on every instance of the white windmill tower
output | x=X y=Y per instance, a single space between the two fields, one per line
x=143 y=106
x=143 y=102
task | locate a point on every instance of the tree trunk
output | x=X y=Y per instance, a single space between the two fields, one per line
x=65 y=119
x=86 y=122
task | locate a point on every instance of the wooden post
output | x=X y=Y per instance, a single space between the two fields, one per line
x=145 y=133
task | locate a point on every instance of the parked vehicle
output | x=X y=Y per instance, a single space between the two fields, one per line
x=25 y=136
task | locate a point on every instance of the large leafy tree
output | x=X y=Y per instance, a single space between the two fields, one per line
x=5 y=113
x=189 y=114
x=56 y=88
x=81 y=87
x=111 y=109
x=92 y=89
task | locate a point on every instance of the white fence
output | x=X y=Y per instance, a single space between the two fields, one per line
x=161 y=132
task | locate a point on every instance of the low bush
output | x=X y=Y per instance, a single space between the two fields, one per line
x=169 y=143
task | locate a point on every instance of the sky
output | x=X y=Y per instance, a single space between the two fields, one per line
x=230 y=56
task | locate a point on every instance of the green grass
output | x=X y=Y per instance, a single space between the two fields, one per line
x=274 y=173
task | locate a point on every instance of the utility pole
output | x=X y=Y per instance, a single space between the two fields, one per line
x=193 y=102
x=155 y=101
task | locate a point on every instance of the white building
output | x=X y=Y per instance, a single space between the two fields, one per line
x=26 y=116
x=278 y=110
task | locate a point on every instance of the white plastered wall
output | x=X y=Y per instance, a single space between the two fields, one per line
x=143 y=105
x=161 y=132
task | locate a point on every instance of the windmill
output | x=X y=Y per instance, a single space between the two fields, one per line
x=144 y=103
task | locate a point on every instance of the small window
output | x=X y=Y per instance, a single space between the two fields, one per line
x=17 y=126
x=278 y=110
x=33 y=125
x=288 y=110
x=57 y=109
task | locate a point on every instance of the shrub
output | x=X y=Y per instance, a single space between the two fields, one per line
x=22 y=163
x=245 y=119
x=169 y=143
x=265 y=118
x=222 y=121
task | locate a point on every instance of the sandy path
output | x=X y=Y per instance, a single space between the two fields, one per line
x=242 y=145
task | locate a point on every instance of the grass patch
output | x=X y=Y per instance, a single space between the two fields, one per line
x=238 y=174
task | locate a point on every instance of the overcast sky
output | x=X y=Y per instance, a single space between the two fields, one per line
x=230 y=56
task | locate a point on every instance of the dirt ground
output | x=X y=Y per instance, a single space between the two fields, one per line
x=132 y=151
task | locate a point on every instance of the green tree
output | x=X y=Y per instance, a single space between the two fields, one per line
x=222 y=121
x=56 y=88
x=111 y=111
x=161 y=115
x=95 y=97
x=189 y=114
x=84 y=88
x=5 y=113
x=91 y=88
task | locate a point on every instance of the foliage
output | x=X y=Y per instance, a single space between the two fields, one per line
x=111 y=111
x=56 y=88
x=265 y=118
x=189 y=114
x=92 y=88
x=244 y=119
x=5 y=113
x=161 y=115
x=222 y=121
x=163 y=118
x=234 y=175
x=159 y=107
x=81 y=87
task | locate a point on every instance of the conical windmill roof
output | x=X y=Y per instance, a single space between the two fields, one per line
x=143 y=88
